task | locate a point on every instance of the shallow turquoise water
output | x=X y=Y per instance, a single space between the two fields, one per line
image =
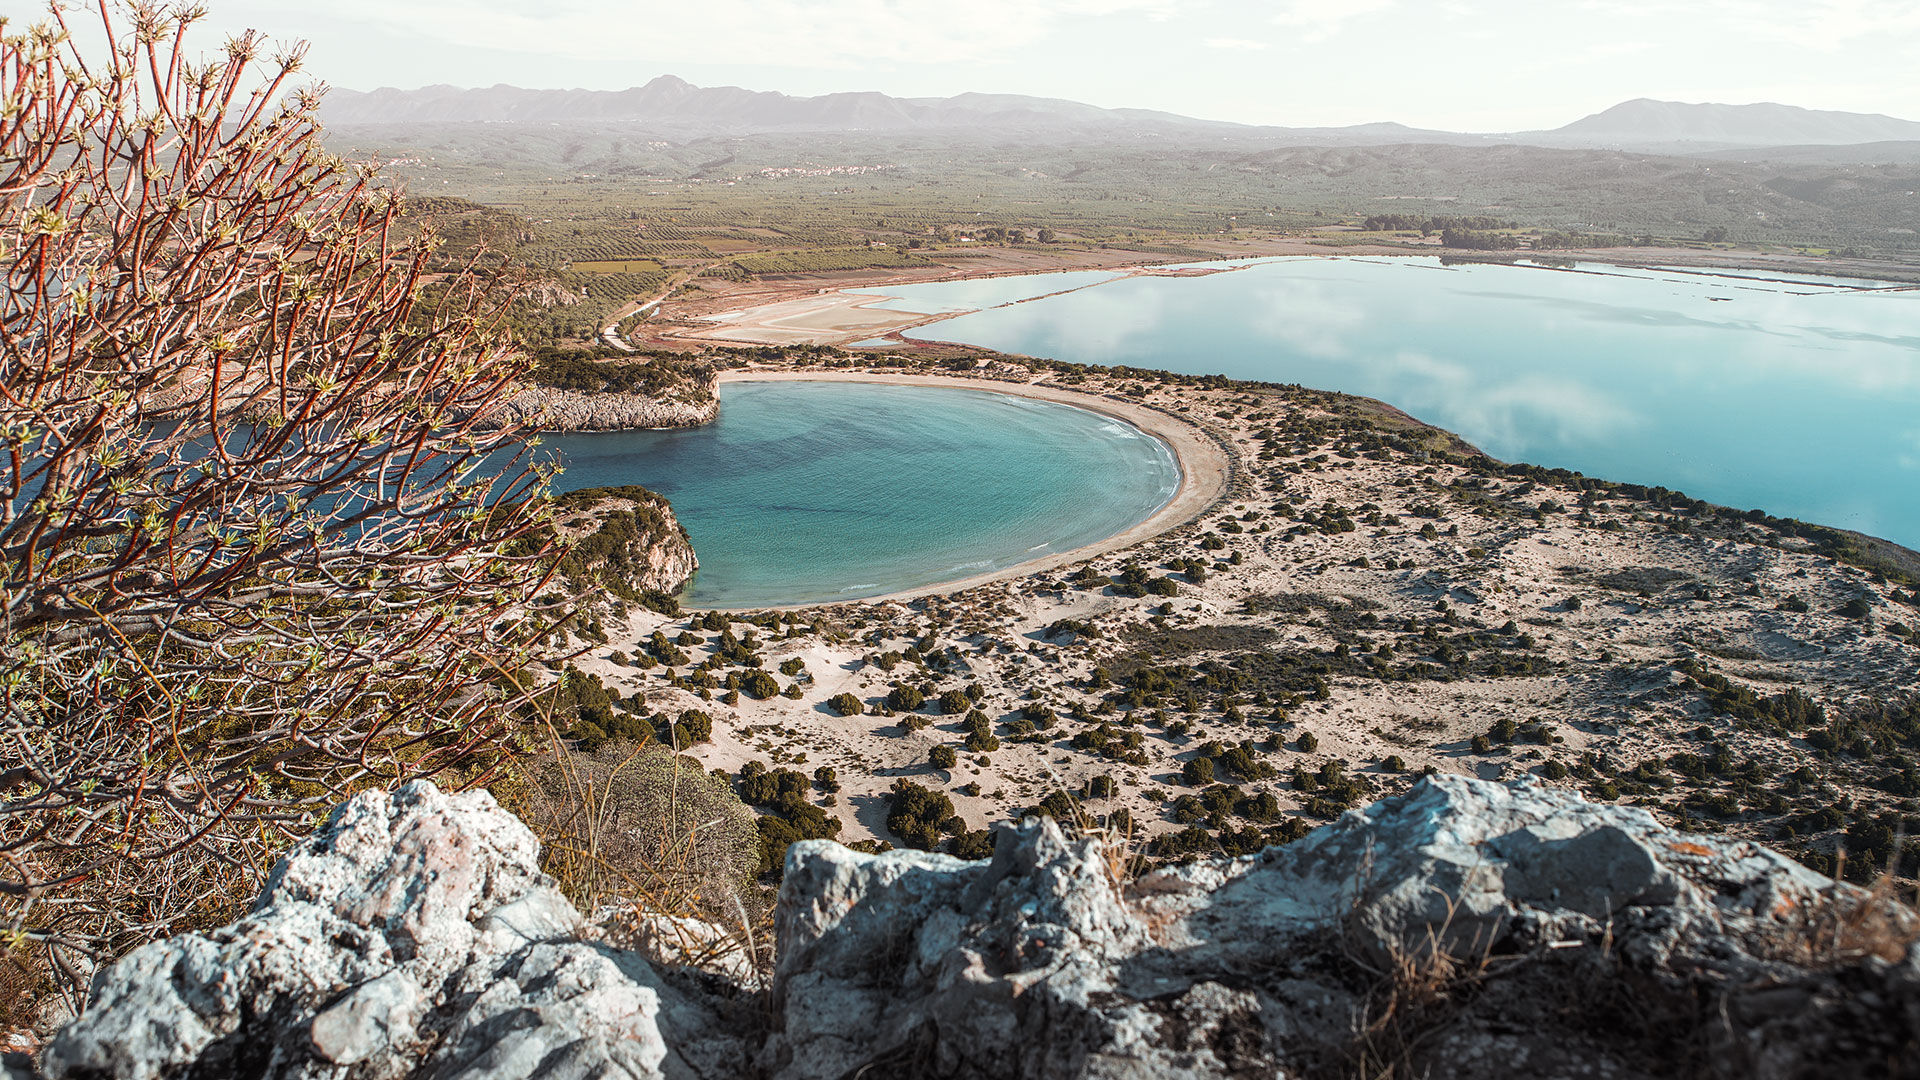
x=806 y=492
x=1801 y=398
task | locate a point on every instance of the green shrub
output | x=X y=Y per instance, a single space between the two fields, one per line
x=974 y=845
x=919 y=816
x=759 y=685
x=846 y=704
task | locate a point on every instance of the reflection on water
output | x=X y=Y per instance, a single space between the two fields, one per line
x=1799 y=396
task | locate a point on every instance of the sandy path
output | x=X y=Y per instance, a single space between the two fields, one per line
x=1204 y=467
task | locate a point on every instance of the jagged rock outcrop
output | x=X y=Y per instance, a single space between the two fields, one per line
x=1477 y=917
x=1463 y=929
x=412 y=936
x=575 y=393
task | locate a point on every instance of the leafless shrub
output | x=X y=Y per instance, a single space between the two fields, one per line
x=258 y=548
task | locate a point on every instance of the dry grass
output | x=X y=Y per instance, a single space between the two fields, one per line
x=1412 y=989
x=23 y=984
x=649 y=833
x=1845 y=924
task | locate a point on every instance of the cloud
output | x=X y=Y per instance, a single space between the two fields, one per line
x=1317 y=20
x=1826 y=25
x=783 y=33
x=1307 y=317
x=1234 y=44
x=1909 y=458
x=1821 y=25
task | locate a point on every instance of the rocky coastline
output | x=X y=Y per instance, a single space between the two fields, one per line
x=559 y=410
x=623 y=544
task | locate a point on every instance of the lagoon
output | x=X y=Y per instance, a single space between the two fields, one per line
x=1798 y=396
x=816 y=492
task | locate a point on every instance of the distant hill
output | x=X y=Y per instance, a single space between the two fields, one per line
x=1876 y=153
x=676 y=109
x=671 y=103
x=1668 y=125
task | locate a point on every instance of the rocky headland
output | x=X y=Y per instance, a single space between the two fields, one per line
x=553 y=409
x=575 y=391
x=1462 y=929
x=623 y=546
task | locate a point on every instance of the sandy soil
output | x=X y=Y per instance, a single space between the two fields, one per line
x=756 y=313
x=1595 y=612
x=834 y=317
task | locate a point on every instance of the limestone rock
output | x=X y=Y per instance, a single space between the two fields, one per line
x=1492 y=912
x=627 y=539
x=554 y=409
x=1464 y=929
x=412 y=936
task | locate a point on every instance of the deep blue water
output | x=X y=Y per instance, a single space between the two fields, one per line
x=1801 y=398
x=807 y=492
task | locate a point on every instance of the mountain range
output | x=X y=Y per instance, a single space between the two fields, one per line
x=674 y=107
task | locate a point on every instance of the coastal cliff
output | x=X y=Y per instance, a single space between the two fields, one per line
x=625 y=542
x=576 y=391
x=1462 y=929
x=553 y=409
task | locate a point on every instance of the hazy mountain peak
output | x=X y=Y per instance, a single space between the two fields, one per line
x=673 y=107
x=1646 y=120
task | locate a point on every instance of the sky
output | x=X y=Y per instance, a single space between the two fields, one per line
x=1461 y=65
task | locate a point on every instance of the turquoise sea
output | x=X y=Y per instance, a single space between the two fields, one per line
x=1799 y=397
x=809 y=492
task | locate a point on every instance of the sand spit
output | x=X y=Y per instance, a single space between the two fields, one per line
x=841 y=316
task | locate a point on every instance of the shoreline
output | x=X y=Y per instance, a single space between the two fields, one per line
x=1205 y=471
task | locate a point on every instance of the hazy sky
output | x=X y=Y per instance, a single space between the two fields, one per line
x=1477 y=65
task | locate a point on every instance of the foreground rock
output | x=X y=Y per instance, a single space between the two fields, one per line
x=413 y=935
x=1464 y=929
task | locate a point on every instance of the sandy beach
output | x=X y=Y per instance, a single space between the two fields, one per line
x=1204 y=466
